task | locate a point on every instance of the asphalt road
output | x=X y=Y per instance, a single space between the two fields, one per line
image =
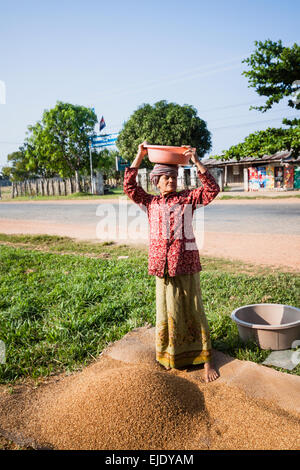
x=270 y=218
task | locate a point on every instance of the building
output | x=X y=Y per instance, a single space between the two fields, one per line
x=279 y=172
x=187 y=177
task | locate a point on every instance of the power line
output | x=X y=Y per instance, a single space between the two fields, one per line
x=230 y=106
x=281 y=110
x=171 y=78
x=250 y=123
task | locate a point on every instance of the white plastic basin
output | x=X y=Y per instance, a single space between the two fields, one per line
x=271 y=326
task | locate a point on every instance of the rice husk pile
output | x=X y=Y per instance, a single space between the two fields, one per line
x=239 y=422
x=123 y=408
x=111 y=405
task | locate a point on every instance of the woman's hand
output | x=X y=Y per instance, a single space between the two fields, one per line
x=142 y=151
x=191 y=151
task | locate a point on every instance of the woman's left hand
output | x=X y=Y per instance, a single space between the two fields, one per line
x=191 y=151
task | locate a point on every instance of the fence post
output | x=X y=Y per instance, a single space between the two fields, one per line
x=99 y=183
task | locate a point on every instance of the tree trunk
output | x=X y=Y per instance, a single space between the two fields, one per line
x=77 y=182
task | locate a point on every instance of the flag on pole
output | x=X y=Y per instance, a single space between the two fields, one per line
x=102 y=124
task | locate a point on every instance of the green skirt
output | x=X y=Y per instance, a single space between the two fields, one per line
x=182 y=334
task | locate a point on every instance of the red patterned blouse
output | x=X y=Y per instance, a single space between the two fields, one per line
x=172 y=244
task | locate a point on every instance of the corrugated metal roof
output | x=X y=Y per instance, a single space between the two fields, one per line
x=284 y=155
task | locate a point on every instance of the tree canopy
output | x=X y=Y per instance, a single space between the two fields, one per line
x=274 y=73
x=265 y=142
x=59 y=142
x=163 y=124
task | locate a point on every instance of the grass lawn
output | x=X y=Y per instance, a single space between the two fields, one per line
x=62 y=302
x=6 y=196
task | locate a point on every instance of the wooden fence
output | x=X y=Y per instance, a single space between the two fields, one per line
x=56 y=186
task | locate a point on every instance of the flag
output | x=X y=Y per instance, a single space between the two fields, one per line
x=102 y=124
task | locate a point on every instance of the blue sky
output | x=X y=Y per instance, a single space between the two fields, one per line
x=117 y=55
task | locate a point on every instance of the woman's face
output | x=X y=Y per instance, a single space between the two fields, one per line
x=167 y=184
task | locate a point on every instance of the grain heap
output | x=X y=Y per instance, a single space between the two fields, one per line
x=123 y=408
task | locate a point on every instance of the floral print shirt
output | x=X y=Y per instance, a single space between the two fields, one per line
x=172 y=244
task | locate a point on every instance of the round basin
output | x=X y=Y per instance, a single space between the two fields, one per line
x=167 y=154
x=271 y=326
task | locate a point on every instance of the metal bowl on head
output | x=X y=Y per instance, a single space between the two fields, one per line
x=167 y=154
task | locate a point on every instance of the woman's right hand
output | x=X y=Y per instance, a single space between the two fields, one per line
x=142 y=151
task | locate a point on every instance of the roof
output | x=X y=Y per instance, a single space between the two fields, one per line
x=284 y=155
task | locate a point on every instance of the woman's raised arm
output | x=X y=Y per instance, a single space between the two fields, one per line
x=130 y=186
x=210 y=189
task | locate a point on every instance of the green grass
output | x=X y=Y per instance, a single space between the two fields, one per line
x=62 y=302
x=113 y=193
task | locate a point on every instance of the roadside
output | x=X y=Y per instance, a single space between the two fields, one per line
x=118 y=192
x=281 y=251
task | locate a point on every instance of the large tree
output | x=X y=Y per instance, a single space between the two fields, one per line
x=265 y=142
x=274 y=73
x=59 y=142
x=163 y=124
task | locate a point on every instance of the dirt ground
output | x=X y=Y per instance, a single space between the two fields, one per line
x=266 y=249
x=276 y=250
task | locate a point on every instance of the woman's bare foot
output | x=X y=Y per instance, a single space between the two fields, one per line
x=209 y=372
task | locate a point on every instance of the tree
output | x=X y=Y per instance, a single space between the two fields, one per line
x=265 y=142
x=18 y=171
x=106 y=160
x=275 y=74
x=59 y=143
x=5 y=173
x=163 y=124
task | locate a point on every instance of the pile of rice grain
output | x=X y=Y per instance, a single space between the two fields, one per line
x=109 y=405
x=123 y=408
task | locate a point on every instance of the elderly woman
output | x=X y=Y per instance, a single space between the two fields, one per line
x=182 y=335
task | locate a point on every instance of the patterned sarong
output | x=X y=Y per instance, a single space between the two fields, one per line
x=182 y=334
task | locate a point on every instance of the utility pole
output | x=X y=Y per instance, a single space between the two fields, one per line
x=91 y=165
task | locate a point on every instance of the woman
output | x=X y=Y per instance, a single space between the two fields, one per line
x=182 y=335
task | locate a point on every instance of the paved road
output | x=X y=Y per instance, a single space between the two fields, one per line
x=281 y=218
